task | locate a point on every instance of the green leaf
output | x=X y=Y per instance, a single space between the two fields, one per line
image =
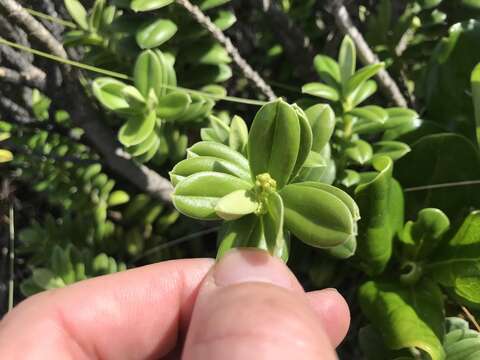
x=371 y=113
x=345 y=250
x=322 y=122
x=77 y=12
x=363 y=92
x=361 y=76
x=149 y=73
x=197 y=164
x=276 y=240
x=221 y=129
x=457 y=265
x=274 y=142
x=321 y=90
x=225 y=20
x=347 y=60
x=314 y=160
x=431 y=162
x=5 y=156
x=475 y=80
x=109 y=92
x=118 y=197
x=173 y=105
x=210 y=4
x=137 y=129
x=146 y=145
x=147 y=5
x=394 y=149
x=217 y=150
x=423 y=236
x=328 y=70
x=306 y=140
x=381 y=204
x=406 y=317
x=315 y=216
x=237 y=204
x=244 y=232
x=155 y=32
x=238 y=136
x=359 y=152
x=197 y=195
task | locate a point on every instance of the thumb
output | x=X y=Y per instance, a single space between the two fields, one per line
x=250 y=306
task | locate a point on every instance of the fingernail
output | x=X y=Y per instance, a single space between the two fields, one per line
x=251 y=265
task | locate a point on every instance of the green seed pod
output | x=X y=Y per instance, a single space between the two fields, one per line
x=206 y=163
x=197 y=195
x=274 y=141
x=217 y=150
x=317 y=217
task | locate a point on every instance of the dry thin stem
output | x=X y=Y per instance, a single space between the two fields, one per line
x=367 y=56
x=218 y=34
x=470 y=317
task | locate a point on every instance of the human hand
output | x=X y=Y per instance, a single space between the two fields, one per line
x=248 y=306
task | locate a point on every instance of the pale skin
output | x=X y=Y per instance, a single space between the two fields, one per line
x=248 y=306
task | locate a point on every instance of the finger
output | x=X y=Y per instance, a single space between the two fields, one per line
x=131 y=315
x=250 y=306
x=333 y=312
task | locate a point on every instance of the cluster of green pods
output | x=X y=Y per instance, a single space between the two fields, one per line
x=260 y=196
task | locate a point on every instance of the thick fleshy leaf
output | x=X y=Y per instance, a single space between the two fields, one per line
x=147 y=5
x=276 y=239
x=221 y=129
x=197 y=195
x=363 y=92
x=109 y=92
x=173 y=105
x=237 y=204
x=347 y=60
x=393 y=149
x=371 y=113
x=322 y=122
x=274 y=141
x=381 y=204
x=359 y=151
x=244 y=232
x=149 y=73
x=145 y=145
x=422 y=236
x=210 y=4
x=328 y=70
x=306 y=139
x=137 y=129
x=5 y=156
x=344 y=250
x=153 y=33
x=77 y=12
x=221 y=151
x=197 y=164
x=321 y=90
x=361 y=76
x=457 y=265
x=238 y=136
x=314 y=160
x=315 y=216
x=406 y=317
x=118 y=197
x=225 y=20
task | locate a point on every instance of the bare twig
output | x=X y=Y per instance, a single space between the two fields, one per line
x=33 y=26
x=21 y=78
x=470 y=317
x=218 y=34
x=366 y=55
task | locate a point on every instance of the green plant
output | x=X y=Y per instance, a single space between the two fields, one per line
x=259 y=197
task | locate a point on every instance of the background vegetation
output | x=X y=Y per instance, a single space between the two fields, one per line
x=99 y=100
